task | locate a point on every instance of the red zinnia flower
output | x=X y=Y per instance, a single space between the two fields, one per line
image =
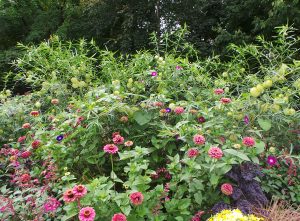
x=35 y=144
x=136 y=198
x=25 y=178
x=35 y=113
x=225 y=100
x=21 y=139
x=26 y=154
x=227 y=189
x=192 y=152
x=26 y=126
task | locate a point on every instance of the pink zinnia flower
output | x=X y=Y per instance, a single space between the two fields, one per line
x=192 y=152
x=119 y=217
x=248 y=141
x=118 y=139
x=136 y=198
x=219 y=91
x=115 y=134
x=51 y=205
x=69 y=196
x=199 y=139
x=128 y=143
x=26 y=126
x=79 y=190
x=26 y=154
x=87 y=214
x=178 y=110
x=110 y=148
x=225 y=100
x=21 y=139
x=35 y=144
x=227 y=189
x=35 y=113
x=215 y=152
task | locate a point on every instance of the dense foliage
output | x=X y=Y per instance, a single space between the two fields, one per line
x=125 y=26
x=152 y=136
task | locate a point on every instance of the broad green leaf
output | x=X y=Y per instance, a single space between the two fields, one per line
x=264 y=124
x=260 y=147
x=237 y=154
x=142 y=117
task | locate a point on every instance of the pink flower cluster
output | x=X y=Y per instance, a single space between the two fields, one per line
x=119 y=217
x=77 y=192
x=197 y=216
x=225 y=100
x=178 y=110
x=51 y=205
x=219 y=91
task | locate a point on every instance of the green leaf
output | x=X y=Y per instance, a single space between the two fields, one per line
x=214 y=179
x=198 y=198
x=260 y=147
x=142 y=117
x=237 y=154
x=264 y=124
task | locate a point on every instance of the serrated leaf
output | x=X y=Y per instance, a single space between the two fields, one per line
x=237 y=154
x=264 y=124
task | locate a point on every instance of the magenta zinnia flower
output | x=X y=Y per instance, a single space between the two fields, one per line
x=79 y=190
x=119 y=217
x=26 y=126
x=227 y=189
x=26 y=154
x=249 y=141
x=215 y=152
x=192 y=152
x=110 y=148
x=271 y=160
x=87 y=214
x=153 y=73
x=136 y=198
x=199 y=139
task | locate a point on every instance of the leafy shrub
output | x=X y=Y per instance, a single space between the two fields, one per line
x=150 y=136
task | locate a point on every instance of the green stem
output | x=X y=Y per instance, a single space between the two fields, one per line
x=112 y=169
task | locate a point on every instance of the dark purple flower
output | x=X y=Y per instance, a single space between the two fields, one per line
x=201 y=119
x=60 y=137
x=271 y=160
x=237 y=193
x=246 y=120
x=168 y=110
